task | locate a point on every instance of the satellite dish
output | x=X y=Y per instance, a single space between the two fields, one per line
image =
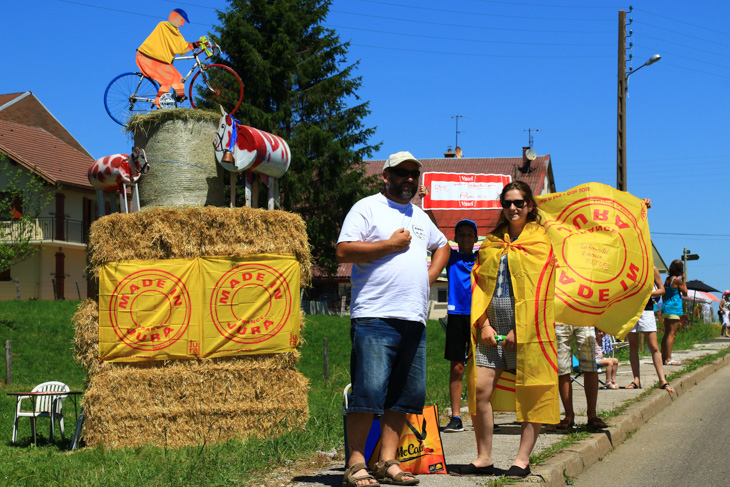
x=530 y=155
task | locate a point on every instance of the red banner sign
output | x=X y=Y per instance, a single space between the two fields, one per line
x=462 y=191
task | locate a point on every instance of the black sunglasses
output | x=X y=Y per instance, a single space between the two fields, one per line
x=404 y=173
x=506 y=204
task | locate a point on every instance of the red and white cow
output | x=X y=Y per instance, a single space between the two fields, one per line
x=241 y=148
x=110 y=172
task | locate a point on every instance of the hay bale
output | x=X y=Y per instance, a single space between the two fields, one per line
x=206 y=402
x=169 y=233
x=188 y=402
x=183 y=169
x=86 y=351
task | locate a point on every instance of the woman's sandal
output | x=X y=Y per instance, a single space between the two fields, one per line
x=565 y=425
x=633 y=385
x=350 y=480
x=381 y=474
x=596 y=424
x=666 y=387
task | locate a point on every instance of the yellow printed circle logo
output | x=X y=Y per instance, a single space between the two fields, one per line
x=251 y=303
x=603 y=259
x=150 y=310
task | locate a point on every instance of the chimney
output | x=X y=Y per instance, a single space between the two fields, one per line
x=528 y=155
x=459 y=154
x=449 y=154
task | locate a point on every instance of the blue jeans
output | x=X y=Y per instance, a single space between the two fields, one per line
x=387 y=366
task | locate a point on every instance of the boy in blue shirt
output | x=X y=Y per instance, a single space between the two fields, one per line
x=458 y=329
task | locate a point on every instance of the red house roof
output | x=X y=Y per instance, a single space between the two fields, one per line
x=32 y=137
x=539 y=177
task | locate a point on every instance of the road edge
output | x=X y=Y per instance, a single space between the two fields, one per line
x=576 y=458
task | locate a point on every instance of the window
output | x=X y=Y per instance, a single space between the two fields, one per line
x=441 y=295
x=11 y=210
x=5 y=275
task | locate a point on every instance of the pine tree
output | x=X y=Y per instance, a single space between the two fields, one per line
x=298 y=85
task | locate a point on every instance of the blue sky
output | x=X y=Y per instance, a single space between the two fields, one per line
x=502 y=66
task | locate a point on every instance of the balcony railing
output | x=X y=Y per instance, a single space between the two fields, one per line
x=49 y=228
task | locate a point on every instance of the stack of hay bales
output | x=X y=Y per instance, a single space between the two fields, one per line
x=188 y=402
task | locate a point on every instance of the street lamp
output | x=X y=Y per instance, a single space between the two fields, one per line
x=623 y=80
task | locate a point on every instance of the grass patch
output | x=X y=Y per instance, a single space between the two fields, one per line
x=42 y=336
x=555 y=448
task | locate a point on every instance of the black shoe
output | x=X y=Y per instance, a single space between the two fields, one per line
x=454 y=425
x=180 y=98
x=516 y=472
x=471 y=470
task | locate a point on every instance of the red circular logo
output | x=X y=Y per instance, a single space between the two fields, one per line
x=150 y=310
x=251 y=303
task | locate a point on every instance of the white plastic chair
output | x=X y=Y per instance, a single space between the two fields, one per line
x=45 y=407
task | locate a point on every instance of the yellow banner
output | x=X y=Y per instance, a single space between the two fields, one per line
x=198 y=308
x=603 y=248
x=252 y=305
x=534 y=392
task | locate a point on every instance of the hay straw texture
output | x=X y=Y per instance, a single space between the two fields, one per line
x=185 y=402
x=204 y=403
x=168 y=233
x=183 y=169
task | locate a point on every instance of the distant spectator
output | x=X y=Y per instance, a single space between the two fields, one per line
x=675 y=286
x=609 y=363
x=647 y=326
x=724 y=312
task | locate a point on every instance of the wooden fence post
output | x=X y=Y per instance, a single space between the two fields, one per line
x=326 y=361
x=8 y=362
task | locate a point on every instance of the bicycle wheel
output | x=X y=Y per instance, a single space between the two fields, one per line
x=129 y=94
x=216 y=85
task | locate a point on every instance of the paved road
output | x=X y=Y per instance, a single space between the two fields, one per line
x=686 y=444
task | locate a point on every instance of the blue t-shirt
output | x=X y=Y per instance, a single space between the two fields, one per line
x=458 y=271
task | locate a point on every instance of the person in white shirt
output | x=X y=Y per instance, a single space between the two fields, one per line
x=387 y=239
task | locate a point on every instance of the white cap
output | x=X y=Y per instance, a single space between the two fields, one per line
x=399 y=158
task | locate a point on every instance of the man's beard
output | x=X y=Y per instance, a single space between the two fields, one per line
x=401 y=192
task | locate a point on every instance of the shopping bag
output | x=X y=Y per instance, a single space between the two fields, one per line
x=420 y=450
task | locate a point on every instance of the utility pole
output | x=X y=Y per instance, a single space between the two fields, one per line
x=621 y=110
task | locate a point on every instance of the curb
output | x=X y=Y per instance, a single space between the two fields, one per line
x=575 y=459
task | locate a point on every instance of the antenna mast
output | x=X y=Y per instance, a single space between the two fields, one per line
x=530 y=139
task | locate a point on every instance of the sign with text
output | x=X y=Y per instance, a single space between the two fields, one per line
x=462 y=191
x=198 y=308
x=605 y=263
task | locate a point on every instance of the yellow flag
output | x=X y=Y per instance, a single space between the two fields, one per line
x=531 y=263
x=605 y=261
x=198 y=308
x=252 y=305
x=149 y=310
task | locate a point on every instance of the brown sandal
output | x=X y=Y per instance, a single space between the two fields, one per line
x=381 y=474
x=349 y=480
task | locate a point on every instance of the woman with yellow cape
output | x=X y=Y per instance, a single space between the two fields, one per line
x=512 y=295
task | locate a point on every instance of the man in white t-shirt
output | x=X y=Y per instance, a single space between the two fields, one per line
x=388 y=239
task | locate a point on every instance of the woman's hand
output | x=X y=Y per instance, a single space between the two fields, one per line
x=487 y=335
x=510 y=342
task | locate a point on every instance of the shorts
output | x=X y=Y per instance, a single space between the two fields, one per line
x=646 y=323
x=671 y=317
x=501 y=315
x=585 y=338
x=458 y=337
x=387 y=366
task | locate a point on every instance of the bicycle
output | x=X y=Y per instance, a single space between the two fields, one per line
x=132 y=93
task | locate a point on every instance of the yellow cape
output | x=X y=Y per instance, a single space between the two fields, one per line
x=532 y=265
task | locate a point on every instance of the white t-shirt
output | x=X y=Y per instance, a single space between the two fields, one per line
x=394 y=286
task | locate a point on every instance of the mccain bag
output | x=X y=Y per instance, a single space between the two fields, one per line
x=419 y=450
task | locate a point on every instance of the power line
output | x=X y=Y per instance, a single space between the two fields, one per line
x=461 y=12
x=703 y=27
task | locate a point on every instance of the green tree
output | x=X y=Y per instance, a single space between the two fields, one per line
x=298 y=85
x=23 y=196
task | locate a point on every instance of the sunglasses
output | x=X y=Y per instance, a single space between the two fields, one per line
x=404 y=173
x=506 y=204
